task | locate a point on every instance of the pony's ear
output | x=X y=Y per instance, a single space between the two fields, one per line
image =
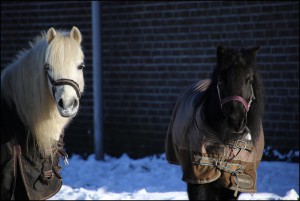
x=51 y=33
x=75 y=33
x=254 y=50
x=220 y=53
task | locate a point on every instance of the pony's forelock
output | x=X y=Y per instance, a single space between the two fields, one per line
x=69 y=54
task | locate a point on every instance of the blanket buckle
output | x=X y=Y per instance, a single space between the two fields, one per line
x=241 y=144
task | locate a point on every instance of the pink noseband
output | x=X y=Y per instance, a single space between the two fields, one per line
x=236 y=98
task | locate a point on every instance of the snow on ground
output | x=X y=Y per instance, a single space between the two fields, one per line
x=153 y=178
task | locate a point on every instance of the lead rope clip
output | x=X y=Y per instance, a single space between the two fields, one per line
x=237 y=184
x=66 y=162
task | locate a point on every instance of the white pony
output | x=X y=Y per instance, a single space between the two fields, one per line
x=40 y=93
x=45 y=83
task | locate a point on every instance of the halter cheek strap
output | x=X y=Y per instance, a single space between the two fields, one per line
x=236 y=98
x=64 y=82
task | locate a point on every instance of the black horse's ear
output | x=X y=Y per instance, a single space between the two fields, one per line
x=254 y=50
x=220 y=53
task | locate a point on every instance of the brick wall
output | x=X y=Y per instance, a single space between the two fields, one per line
x=22 y=21
x=153 y=50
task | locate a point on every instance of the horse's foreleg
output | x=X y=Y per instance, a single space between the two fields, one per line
x=202 y=191
x=210 y=191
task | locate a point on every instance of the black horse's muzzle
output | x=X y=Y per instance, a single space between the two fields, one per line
x=238 y=124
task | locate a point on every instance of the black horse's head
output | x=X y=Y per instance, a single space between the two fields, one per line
x=235 y=74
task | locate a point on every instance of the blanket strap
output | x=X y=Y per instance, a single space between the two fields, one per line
x=53 y=167
x=222 y=165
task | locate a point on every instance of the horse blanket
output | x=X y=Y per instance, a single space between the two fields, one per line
x=26 y=174
x=203 y=158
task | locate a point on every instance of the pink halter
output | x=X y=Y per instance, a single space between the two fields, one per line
x=236 y=98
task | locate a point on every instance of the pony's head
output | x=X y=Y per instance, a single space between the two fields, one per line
x=235 y=74
x=63 y=65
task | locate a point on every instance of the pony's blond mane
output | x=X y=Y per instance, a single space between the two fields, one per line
x=24 y=87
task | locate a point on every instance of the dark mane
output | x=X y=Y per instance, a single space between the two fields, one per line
x=255 y=114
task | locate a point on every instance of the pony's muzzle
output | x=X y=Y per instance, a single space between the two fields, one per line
x=66 y=93
x=238 y=124
x=236 y=116
x=68 y=107
x=67 y=101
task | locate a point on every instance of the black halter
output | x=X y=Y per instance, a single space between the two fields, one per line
x=64 y=82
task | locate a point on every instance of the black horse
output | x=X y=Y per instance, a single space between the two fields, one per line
x=216 y=131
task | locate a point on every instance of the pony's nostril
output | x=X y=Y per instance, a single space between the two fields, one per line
x=61 y=103
x=68 y=104
x=244 y=122
x=236 y=124
x=239 y=125
x=75 y=103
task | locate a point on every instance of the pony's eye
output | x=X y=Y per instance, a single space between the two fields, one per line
x=47 y=67
x=221 y=83
x=222 y=79
x=81 y=66
x=249 y=81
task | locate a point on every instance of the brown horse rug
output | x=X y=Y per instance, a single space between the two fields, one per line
x=26 y=174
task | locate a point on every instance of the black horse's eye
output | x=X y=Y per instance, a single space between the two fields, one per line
x=81 y=66
x=221 y=82
x=47 y=67
x=223 y=78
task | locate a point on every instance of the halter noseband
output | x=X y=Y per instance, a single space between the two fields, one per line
x=236 y=98
x=64 y=82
